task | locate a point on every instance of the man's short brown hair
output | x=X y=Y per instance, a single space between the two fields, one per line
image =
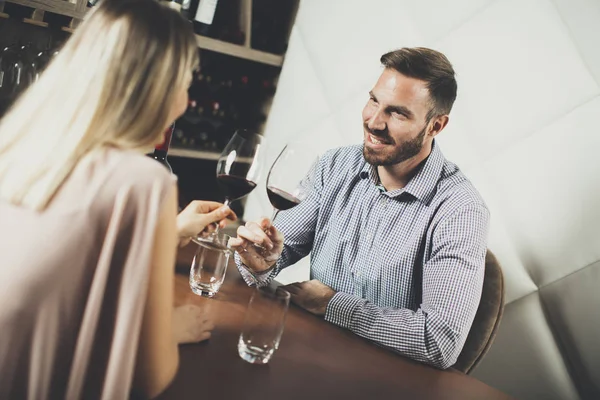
x=430 y=66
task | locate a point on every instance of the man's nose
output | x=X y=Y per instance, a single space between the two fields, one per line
x=377 y=121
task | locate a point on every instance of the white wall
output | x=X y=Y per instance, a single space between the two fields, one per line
x=525 y=129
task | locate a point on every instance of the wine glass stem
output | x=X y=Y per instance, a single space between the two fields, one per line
x=275 y=212
x=227 y=202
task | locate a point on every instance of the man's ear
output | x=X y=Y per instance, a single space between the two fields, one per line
x=437 y=124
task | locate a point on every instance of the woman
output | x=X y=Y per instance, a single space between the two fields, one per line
x=88 y=225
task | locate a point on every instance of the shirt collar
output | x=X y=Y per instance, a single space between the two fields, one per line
x=423 y=185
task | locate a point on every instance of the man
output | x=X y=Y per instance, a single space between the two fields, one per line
x=397 y=233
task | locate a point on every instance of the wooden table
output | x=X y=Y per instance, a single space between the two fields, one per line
x=315 y=360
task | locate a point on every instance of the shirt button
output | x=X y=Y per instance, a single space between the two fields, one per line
x=369 y=236
x=358 y=273
x=382 y=202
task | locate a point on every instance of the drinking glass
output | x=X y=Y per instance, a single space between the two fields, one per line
x=263 y=324
x=210 y=265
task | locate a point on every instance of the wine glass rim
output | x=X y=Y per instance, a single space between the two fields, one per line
x=206 y=241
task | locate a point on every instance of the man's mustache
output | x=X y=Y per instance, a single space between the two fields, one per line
x=381 y=135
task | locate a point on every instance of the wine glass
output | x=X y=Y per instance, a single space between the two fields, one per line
x=238 y=169
x=290 y=181
x=291 y=176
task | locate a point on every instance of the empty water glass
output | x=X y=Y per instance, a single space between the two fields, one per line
x=209 y=265
x=263 y=324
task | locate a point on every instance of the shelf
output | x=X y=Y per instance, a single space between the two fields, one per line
x=63 y=7
x=235 y=50
x=198 y=154
x=202 y=155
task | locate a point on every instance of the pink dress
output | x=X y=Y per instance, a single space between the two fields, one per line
x=73 y=280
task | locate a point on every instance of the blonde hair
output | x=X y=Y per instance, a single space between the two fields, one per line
x=112 y=84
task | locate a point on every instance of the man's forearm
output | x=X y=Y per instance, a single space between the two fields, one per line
x=420 y=335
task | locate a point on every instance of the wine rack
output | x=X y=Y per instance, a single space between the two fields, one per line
x=75 y=9
x=250 y=46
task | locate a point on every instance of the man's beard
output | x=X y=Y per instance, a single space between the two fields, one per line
x=405 y=151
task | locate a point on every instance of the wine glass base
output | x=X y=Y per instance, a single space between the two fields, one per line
x=203 y=292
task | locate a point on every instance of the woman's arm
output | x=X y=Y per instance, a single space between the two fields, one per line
x=158 y=356
x=164 y=328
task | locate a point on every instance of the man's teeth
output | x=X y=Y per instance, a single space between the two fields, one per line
x=375 y=141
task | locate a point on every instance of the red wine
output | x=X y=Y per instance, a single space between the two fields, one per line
x=280 y=199
x=234 y=187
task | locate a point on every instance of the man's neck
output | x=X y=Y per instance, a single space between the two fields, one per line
x=397 y=176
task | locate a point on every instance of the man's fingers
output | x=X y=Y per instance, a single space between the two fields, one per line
x=245 y=233
x=292 y=288
x=208 y=325
x=297 y=300
x=275 y=235
x=266 y=226
x=252 y=232
x=264 y=223
x=236 y=243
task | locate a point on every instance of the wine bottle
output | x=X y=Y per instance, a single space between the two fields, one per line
x=160 y=151
x=227 y=22
x=270 y=25
x=203 y=19
x=174 y=4
x=185 y=8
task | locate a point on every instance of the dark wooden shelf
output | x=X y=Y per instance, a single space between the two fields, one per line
x=197 y=154
x=239 y=51
x=61 y=7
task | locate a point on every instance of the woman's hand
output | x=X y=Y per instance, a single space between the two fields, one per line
x=202 y=217
x=191 y=324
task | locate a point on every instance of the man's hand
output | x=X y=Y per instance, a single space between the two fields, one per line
x=201 y=217
x=258 y=244
x=312 y=295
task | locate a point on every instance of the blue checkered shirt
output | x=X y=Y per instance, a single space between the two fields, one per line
x=407 y=264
